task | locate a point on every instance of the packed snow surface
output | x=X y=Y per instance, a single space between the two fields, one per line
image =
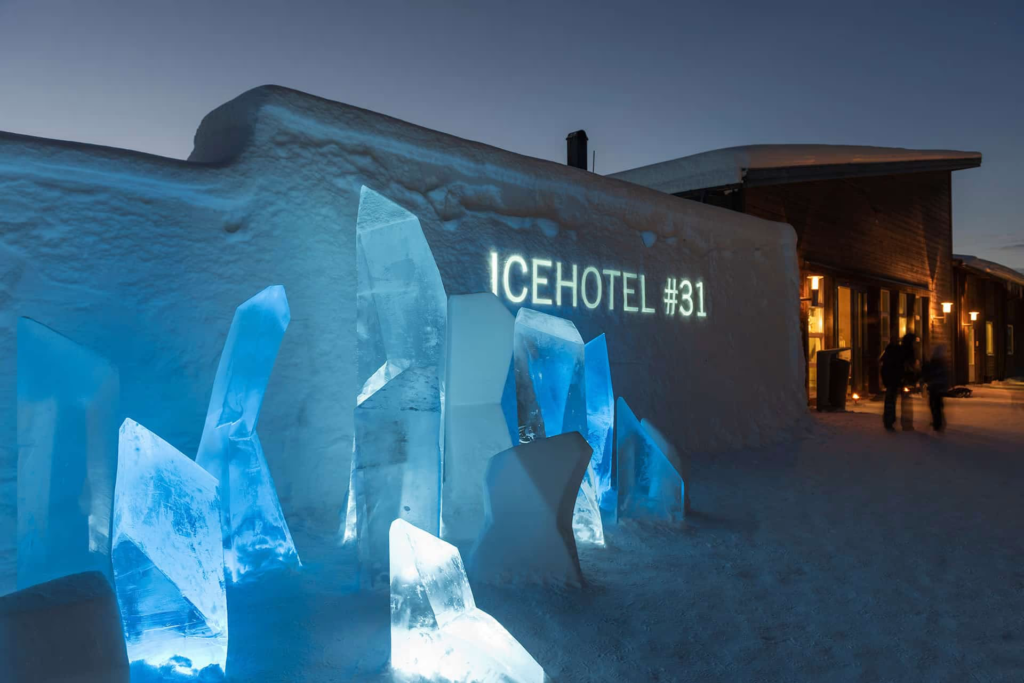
x=844 y=554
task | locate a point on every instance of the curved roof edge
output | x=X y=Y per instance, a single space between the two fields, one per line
x=990 y=268
x=776 y=164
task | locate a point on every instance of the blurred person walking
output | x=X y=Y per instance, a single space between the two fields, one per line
x=892 y=378
x=909 y=380
x=936 y=376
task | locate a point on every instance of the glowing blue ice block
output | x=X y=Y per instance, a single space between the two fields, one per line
x=437 y=631
x=552 y=398
x=550 y=380
x=680 y=461
x=398 y=465
x=649 y=486
x=68 y=415
x=256 y=535
x=400 y=343
x=168 y=557
x=600 y=420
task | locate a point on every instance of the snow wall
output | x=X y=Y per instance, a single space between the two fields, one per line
x=144 y=259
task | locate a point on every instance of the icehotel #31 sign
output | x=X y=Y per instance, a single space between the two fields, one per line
x=547 y=282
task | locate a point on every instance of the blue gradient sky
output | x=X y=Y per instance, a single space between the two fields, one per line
x=648 y=81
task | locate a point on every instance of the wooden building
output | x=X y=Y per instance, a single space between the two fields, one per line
x=874 y=237
x=989 y=313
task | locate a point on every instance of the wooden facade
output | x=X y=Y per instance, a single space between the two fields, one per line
x=879 y=250
x=988 y=347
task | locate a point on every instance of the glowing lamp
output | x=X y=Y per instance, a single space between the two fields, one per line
x=815 y=289
x=947 y=306
x=974 y=315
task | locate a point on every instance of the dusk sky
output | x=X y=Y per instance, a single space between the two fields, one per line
x=648 y=81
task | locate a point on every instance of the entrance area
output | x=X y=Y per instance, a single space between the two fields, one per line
x=850 y=321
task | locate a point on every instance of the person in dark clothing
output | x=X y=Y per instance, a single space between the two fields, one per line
x=909 y=380
x=936 y=377
x=892 y=378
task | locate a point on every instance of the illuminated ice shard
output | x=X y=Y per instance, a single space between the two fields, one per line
x=68 y=413
x=550 y=381
x=437 y=631
x=479 y=352
x=400 y=341
x=397 y=457
x=528 y=527
x=552 y=396
x=587 y=526
x=649 y=485
x=256 y=535
x=401 y=303
x=601 y=421
x=680 y=461
x=168 y=557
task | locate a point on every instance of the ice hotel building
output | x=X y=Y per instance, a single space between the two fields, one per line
x=142 y=259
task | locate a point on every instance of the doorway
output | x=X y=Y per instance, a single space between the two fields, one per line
x=850 y=323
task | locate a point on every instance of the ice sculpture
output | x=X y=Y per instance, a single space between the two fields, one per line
x=68 y=412
x=398 y=472
x=552 y=397
x=401 y=303
x=528 y=527
x=600 y=421
x=587 y=525
x=401 y=321
x=437 y=631
x=649 y=486
x=550 y=381
x=479 y=352
x=679 y=461
x=68 y=629
x=168 y=557
x=255 y=532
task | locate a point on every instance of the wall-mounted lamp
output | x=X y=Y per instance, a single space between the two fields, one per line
x=974 y=315
x=815 y=290
x=947 y=307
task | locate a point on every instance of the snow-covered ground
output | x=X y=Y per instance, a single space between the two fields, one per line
x=847 y=554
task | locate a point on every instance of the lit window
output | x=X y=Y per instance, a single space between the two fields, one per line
x=990 y=340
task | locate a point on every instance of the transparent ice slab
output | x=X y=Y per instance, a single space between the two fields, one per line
x=601 y=421
x=401 y=302
x=680 y=461
x=168 y=557
x=437 y=631
x=400 y=341
x=256 y=535
x=398 y=464
x=552 y=396
x=649 y=486
x=479 y=352
x=68 y=417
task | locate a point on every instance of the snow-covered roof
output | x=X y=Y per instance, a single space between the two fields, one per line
x=996 y=270
x=773 y=164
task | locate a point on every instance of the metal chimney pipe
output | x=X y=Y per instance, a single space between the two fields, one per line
x=576 y=149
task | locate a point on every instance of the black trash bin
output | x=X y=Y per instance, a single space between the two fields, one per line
x=838 y=378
